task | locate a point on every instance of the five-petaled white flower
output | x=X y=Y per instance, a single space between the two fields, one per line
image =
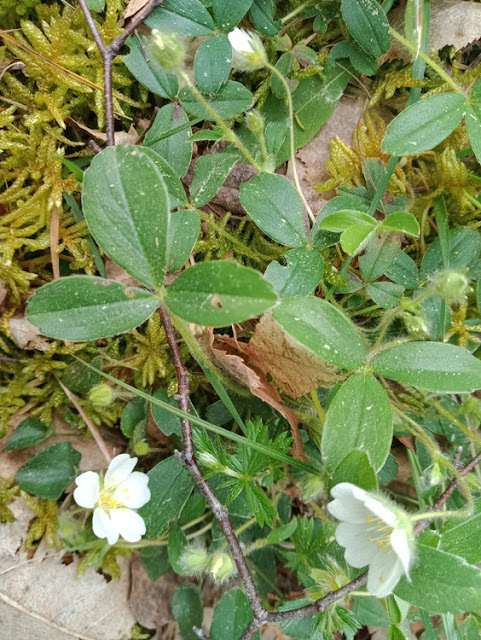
x=374 y=532
x=114 y=499
x=248 y=52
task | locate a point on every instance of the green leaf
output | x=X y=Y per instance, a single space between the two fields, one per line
x=323 y=329
x=212 y=63
x=155 y=560
x=463 y=539
x=425 y=124
x=188 y=610
x=170 y=485
x=301 y=275
x=473 y=126
x=368 y=25
x=402 y=221
x=177 y=196
x=395 y=633
x=126 y=205
x=314 y=100
x=434 y=366
x=464 y=250
x=82 y=308
x=49 y=473
x=231 y=616
x=228 y=14
x=151 y=74
x=167 y=422
x=177 y=544
x=386 y=294
x=79 y=379
x=231 y=100
x=380 y=254
x=442 y=583
x=322 y=238
x=282 y=532
x=284 y=66
x=134 y=412
x=185 y=17
x=404 y=271
x=276 y=207
x=357 y=469
x=174 y=146
x=355 y=238
x=342 y=220
x=29 y=432
x=210 y=172
x=217 y=294
x=184 y=229
x=262 y=15
x=358 y=418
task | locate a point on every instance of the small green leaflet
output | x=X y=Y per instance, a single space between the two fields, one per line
x=368 y=25
x=80 y=308
x=276 y=207
x=151 y=74
x=386 y=294
x=357 y=469
x=231 y=616
x=188 y=610
x=212 y=63
x=228 y=14
x=358 y=418
x=184 y=230
x=210 y=172
x=323 y=329
x=29 y=432
x=434 y=366
x=174 y=146
x=301 y=275
x=185 y=17
x=425 y=124
x=219 y=293
x=231 y=99
x=126 y=205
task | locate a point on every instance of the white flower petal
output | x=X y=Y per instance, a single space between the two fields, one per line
x=104 y=527
x=119 y=470
x=240 y=40
x=385 y=571
x=133 y=492
x=349 y=503
x=355 y=539
x=130 y=525
x=380 y=511
x=400 y=545
x=87 y=492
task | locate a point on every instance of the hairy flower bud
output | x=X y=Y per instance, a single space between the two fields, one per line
x=247 y=50
x=452 y=286
x=221 y=566
x=167 y=49
x=195 y=560
x=102 y=395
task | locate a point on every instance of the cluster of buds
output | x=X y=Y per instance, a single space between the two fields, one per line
x=218 y=565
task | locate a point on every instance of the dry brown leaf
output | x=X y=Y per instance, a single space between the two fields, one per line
x=26 y=335
x=452 y=22
x=121 y=137
x=226 y=354
x=295 y=369
x=43 y=599
x=311 y=159
x=134 y=7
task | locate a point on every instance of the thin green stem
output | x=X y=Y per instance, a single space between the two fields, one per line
x=291 y=138
x=298 y=10
x=230 y=135
x=439 y=70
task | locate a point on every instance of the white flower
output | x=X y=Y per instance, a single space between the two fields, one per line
x=115 y=498
x=247 y=50
x=374 y=532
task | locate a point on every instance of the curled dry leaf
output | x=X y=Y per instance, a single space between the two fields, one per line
x=121 y=137
x=44 y=599
x=134 y=7
x=26 y=335
x=295 y=369
x=233 y=357
x=452 y=22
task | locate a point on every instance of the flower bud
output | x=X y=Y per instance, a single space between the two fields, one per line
x=416 y=325
x=452 y=286
x=195 y=560
x=141 y=448
x=221 y=566
x=102 y=395
x=247 y=50
x=255 y=123
x=313 y=486
x=167 y=49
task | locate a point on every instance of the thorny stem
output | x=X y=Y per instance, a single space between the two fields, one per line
x=108 y=53
x=187 y=456
x=276 y=72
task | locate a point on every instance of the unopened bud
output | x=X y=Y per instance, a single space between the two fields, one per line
x=248 y=52
x=452 y=286
x=255 y=123
x=221 y=566
x=167 y=49
x=312 y=487
x=141 y=448
x=195 y=561
x=102 y=395
x=416 y=325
